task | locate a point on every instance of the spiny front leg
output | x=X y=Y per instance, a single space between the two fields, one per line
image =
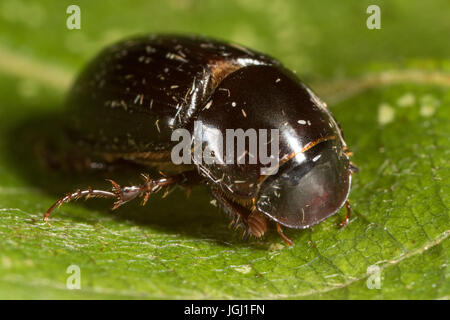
x=123 y=195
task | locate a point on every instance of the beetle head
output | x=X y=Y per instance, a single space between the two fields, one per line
x=308 y=188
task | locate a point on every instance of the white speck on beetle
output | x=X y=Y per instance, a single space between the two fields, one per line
x=233 y=104
x=173 y=56
x=208 y=105
x=385 y=114
x=303 y=122
x=138 y=97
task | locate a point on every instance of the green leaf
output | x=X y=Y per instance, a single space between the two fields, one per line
x=390 y=95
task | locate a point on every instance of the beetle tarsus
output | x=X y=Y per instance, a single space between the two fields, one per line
x=246 y=234
x=238 y=224
x=283 y=236
x=353 y=168
x=88 y=193
x=348 y=153
x=166 y=192
x=347 y=215
x=234 y=224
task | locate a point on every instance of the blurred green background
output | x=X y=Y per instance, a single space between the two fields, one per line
x=388 y=88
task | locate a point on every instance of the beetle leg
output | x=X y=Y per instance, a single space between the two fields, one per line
x=235 y=223
x=126 y=194
x=353 y=168
x=347 y=215
x=246 y=234
x=347 y=151
x=283 y=236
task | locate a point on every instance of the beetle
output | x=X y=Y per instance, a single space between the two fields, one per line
x=129 y=100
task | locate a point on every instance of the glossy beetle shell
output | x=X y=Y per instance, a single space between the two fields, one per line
x=131 y=97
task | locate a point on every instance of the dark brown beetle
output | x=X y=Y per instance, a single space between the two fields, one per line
x=133 y=95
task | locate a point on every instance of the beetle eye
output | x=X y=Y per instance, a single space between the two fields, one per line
x=301 y=195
